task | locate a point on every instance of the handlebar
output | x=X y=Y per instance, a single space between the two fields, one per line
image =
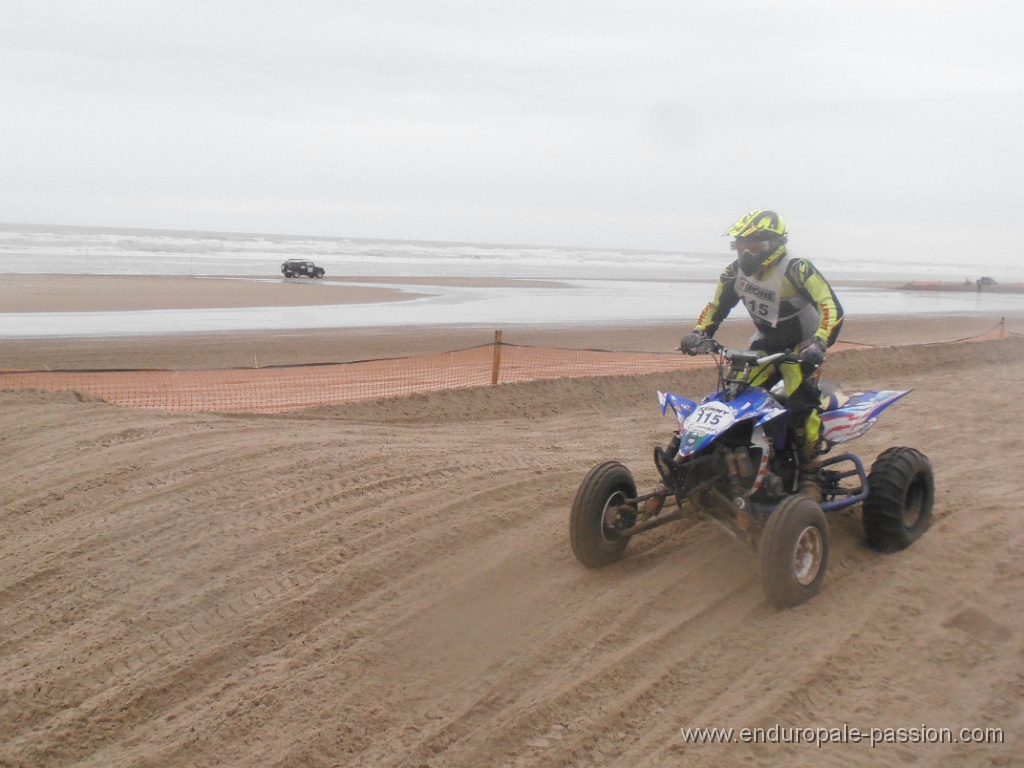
x=785 y=357
x=743 y=357
x=735 y=366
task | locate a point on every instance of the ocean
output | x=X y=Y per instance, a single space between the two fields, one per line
x=607 y=286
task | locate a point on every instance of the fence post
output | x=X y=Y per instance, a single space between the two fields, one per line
x=496 y=363
x=1002 y=328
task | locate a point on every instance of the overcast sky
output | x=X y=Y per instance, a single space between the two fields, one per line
x=886 y=126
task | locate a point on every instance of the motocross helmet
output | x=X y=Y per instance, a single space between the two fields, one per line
x=760 y=238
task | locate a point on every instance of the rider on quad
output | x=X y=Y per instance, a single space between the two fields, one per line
x=794 y=309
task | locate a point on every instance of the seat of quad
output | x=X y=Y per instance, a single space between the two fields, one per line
x=832 y=396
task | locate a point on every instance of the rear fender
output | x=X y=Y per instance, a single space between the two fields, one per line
x=858 y=414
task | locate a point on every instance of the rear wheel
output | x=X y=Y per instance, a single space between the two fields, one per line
x=901 y=494
x=794 y=552
x=598 y=513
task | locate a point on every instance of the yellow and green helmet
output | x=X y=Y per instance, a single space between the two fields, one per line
x=759 y=236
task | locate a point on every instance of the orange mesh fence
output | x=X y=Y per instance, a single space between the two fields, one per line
x=270 y=390
x=519 y=363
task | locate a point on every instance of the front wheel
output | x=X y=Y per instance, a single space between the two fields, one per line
x=901 y=494
x=794 y=552
x=598 y=513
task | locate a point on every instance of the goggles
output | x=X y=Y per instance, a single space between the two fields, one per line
x=750 y=245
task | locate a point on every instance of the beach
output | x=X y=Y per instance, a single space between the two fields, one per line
x=390 y=583
x=284 y=346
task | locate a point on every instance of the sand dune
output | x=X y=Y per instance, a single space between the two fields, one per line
x=391 y=584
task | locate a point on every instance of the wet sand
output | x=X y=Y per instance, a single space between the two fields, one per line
x=83 y=293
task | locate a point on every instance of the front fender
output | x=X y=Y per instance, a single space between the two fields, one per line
x=770 y=415
x=681 y=406
x=700 y=425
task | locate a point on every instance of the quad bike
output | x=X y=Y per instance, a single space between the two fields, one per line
x=733 y=460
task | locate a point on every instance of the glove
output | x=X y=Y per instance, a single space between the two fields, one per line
x=812 y=353
x=692 y=341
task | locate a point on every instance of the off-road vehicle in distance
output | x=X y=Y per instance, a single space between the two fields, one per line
x=298 y=268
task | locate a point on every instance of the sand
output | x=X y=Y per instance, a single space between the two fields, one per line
x=391 y=584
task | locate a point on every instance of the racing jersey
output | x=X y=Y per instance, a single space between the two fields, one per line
x=789 y=302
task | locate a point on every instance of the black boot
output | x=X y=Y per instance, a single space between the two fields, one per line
x=809 y=473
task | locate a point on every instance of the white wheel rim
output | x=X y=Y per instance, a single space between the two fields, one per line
x=807 y=555
x=614 y=502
